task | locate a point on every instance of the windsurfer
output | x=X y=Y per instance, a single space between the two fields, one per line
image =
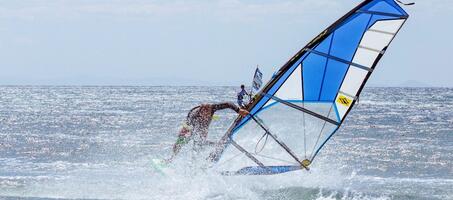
x=197 y=124
x=241 y=95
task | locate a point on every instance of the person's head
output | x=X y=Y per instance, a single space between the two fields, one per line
x=242 y=86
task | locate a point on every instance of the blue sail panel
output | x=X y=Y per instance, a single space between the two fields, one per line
x=313 y=71
x=324 y=46
x=335 y=73
x=347 y=37
x=385 y=6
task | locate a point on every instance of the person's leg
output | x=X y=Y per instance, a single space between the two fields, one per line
x=180 y=142
x=240 y=104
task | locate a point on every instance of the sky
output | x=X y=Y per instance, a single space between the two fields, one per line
x=199 y=42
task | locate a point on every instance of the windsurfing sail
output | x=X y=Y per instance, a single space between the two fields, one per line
x=257 y=81
x=308 y=99
x=256 y=84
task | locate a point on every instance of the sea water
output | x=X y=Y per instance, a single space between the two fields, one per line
x=98 y=142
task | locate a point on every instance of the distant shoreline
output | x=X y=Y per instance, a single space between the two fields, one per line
x=44 y=85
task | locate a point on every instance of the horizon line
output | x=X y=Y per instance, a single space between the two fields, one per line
x=178 y=85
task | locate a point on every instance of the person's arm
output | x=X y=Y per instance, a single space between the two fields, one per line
x=221 y=106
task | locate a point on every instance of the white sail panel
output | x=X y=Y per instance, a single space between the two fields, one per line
x=292 y=88
x=389 y=26
x=365 y=56
x=353 y=80
x=374 y=41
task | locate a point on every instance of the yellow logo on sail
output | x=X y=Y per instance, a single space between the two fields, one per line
x=344 y=100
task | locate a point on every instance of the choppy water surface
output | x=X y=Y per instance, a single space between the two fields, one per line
x=97 y=143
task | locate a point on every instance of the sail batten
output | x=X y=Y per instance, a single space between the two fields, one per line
x=288 y=103
x=381 y=13
x=341 y=60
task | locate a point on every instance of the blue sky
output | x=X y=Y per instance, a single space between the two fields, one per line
x=203 y=42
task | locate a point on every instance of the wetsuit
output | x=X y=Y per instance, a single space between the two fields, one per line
x=241 y=98
x=197 y=124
